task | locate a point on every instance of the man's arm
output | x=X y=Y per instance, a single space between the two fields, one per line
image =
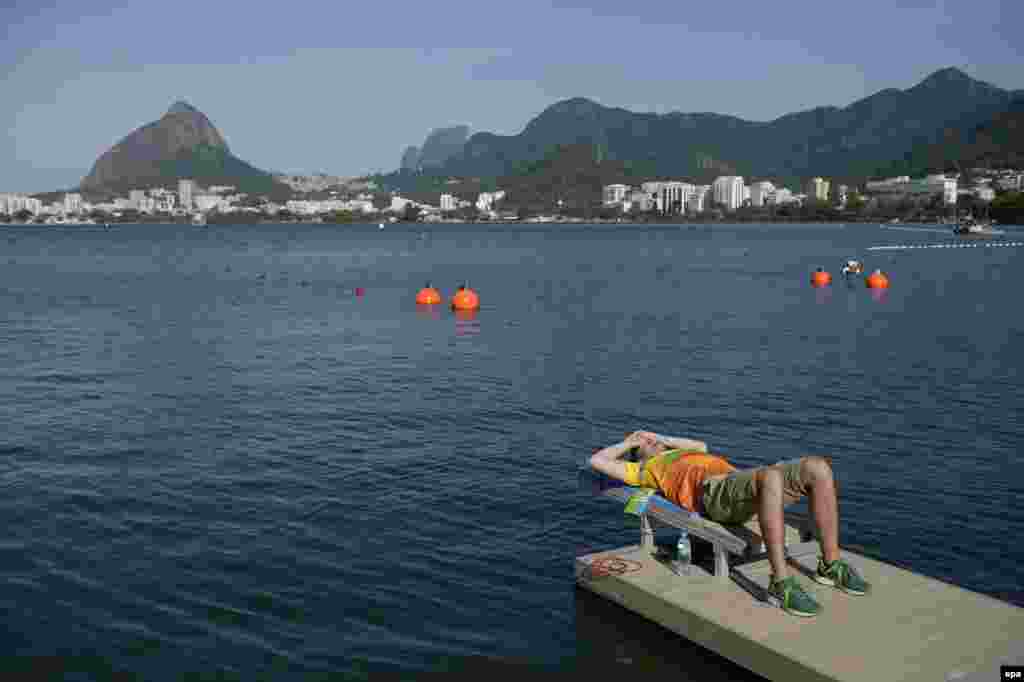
x=609 y=460
x=689 y=444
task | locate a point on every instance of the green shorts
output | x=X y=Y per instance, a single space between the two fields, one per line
x=731 y=500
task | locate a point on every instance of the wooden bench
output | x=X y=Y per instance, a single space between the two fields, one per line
x=731 y=544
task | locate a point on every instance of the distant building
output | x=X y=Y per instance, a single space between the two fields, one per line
x=903 y=187
x=697 y=201
x=842 y=195
x=185 y=191
x=448 y=202
x=13 y=203
x=638 y=200
x=780 y=196
x=207 y=202
x=671 y=197
x=398 y=204
x=759 y=192
x=817 y=189
x=136 y=197
x=221 y=189
x=985 y=193
x=615 y=194
x=485 y=202
x=72 y=203
x=728 y=190
x=1012 y=183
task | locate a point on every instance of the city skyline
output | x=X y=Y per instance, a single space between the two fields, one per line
x=81 y=78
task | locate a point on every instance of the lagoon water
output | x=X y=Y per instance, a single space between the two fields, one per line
x=215 y=456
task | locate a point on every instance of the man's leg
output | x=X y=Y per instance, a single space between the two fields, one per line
x=821 y=489
x=768 y=495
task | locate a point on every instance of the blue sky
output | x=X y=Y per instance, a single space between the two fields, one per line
x=343 y=87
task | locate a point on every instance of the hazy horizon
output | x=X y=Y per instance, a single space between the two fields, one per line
x=81 y=77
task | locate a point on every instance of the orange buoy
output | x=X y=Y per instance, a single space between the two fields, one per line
x=877 y=280
x=428 y=295
x=465 y=299
x=820 y=278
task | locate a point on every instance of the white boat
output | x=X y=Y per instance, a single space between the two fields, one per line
x=973 y=228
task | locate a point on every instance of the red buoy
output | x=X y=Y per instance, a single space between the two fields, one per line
x=820 y=278
x=465 y=299
x=360 y=291
x=428 y=295
x=877 y=280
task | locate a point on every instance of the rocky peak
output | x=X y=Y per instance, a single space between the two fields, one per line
x=182 y=107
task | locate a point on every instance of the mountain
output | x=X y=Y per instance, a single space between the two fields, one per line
x=847 y=142
x=441 y=144
x=996 y=143
x=411 y=158
x=183 y=143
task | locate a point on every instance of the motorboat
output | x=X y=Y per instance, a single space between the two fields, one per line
x=973 y=228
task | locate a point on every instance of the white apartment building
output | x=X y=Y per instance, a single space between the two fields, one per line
x=695 y=203
x=72 y=203
x=615 y=194
x=638 y=199
x=448 y=202
x=728 y=190
x=185 y=190
x=12 y=203
x=486 y=200
x=165 y=202
x=759 y=192
x=672 y=196
x=398 y=204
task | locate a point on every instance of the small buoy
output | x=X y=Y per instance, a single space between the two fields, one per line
x=428 y=295
x=360 y=291
x=877 y=280
x=465 y=299
x=820 y=278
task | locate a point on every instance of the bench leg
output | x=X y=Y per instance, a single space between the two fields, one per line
x=646 y=533
x=721 y=563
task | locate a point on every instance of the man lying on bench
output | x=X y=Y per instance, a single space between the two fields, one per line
x=683 y=472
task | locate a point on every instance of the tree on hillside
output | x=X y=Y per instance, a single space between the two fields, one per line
x=24 y=215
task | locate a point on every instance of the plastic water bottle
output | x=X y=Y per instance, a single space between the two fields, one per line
x=681 y=563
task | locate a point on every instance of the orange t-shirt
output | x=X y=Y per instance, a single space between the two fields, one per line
x=678 y=475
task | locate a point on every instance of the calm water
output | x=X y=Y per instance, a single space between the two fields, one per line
x=216 y=456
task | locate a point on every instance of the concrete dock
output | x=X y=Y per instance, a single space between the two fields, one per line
x=909 y=628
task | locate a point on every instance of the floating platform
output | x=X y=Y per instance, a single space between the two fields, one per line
x=909 y=628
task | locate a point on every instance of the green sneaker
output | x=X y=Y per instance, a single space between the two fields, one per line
x=841 y=575
x=791 y=597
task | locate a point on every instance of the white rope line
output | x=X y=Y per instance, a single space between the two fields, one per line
x=903 y=247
